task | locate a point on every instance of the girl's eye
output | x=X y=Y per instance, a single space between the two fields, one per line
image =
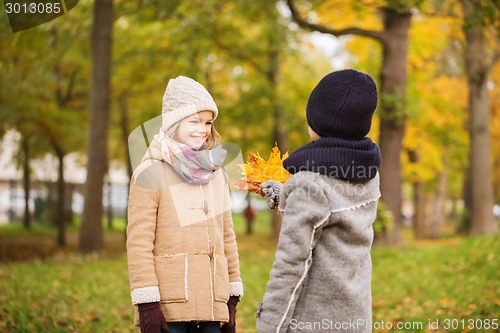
x=209 y=123
x=194 y=122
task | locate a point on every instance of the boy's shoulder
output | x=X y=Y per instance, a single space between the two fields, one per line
x=303 y=180
x=315 y=179
x=301 y=176
x=339 y=193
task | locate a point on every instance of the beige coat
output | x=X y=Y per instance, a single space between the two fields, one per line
x=181 y=245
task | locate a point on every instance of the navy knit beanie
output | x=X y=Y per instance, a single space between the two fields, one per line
x=342 y=105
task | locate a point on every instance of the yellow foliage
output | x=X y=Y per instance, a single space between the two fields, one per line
x=494 y=94
x=436 y=131
x=342 y=14
x=429 y=37
x=257 y=170
x=430 y=162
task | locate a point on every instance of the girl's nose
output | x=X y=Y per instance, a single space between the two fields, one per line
x=201 y=128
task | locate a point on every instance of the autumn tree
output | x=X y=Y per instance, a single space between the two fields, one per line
x=49 y=115
x=495 y=130
x=67 y=72
x=91 y=238
x=435 y=143
x=481 y=28
x=393 y=39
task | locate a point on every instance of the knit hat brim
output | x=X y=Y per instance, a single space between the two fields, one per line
x=172 y=117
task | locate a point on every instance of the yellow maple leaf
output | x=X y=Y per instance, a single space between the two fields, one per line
x=257 y=170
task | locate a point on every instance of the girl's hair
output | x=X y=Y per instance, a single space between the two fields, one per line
x=212 y=140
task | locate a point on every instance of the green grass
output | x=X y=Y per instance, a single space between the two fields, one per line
x=453 y=279
x=449 y=279
x=65 y=294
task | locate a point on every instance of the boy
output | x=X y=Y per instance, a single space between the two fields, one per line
x=320 y=280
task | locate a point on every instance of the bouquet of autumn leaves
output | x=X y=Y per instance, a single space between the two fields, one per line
x=257 y=170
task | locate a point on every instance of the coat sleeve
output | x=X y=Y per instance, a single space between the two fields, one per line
x=142 y=212
x=305 y=213
x=231 y=248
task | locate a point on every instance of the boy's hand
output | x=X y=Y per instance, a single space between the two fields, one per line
x=272 y=190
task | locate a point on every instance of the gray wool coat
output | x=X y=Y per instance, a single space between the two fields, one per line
x=321 y=277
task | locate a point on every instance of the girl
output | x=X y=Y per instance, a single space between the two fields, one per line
x=182 y=254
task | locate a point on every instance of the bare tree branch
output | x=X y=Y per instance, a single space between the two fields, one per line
x=213 y=34
x=238 y=55
x=377 y=35
x=496 y=3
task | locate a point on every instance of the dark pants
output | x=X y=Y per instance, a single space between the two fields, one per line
x=195 y=327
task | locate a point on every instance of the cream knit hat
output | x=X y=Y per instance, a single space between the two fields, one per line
x=184 y=97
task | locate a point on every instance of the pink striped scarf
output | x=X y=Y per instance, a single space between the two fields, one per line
x=195 y=166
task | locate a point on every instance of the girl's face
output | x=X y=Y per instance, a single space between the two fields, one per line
x=194 y=130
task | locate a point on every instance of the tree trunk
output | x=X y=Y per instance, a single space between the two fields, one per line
x=68 y=209
x=26 y=184
x=419 y=210
x=392 y=113
x=418 y=201
x=125 y=131
x=249 y=215
x=109 y=208
x=279 y=133
x=454 y=214
x=482 y=219
x=465 y=222
x=438 y=214
x=60 y=209
x=91 y=237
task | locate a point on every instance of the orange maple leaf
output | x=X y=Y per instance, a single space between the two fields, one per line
x=257 y=170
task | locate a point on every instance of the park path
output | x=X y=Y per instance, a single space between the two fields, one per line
x=28 y=247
